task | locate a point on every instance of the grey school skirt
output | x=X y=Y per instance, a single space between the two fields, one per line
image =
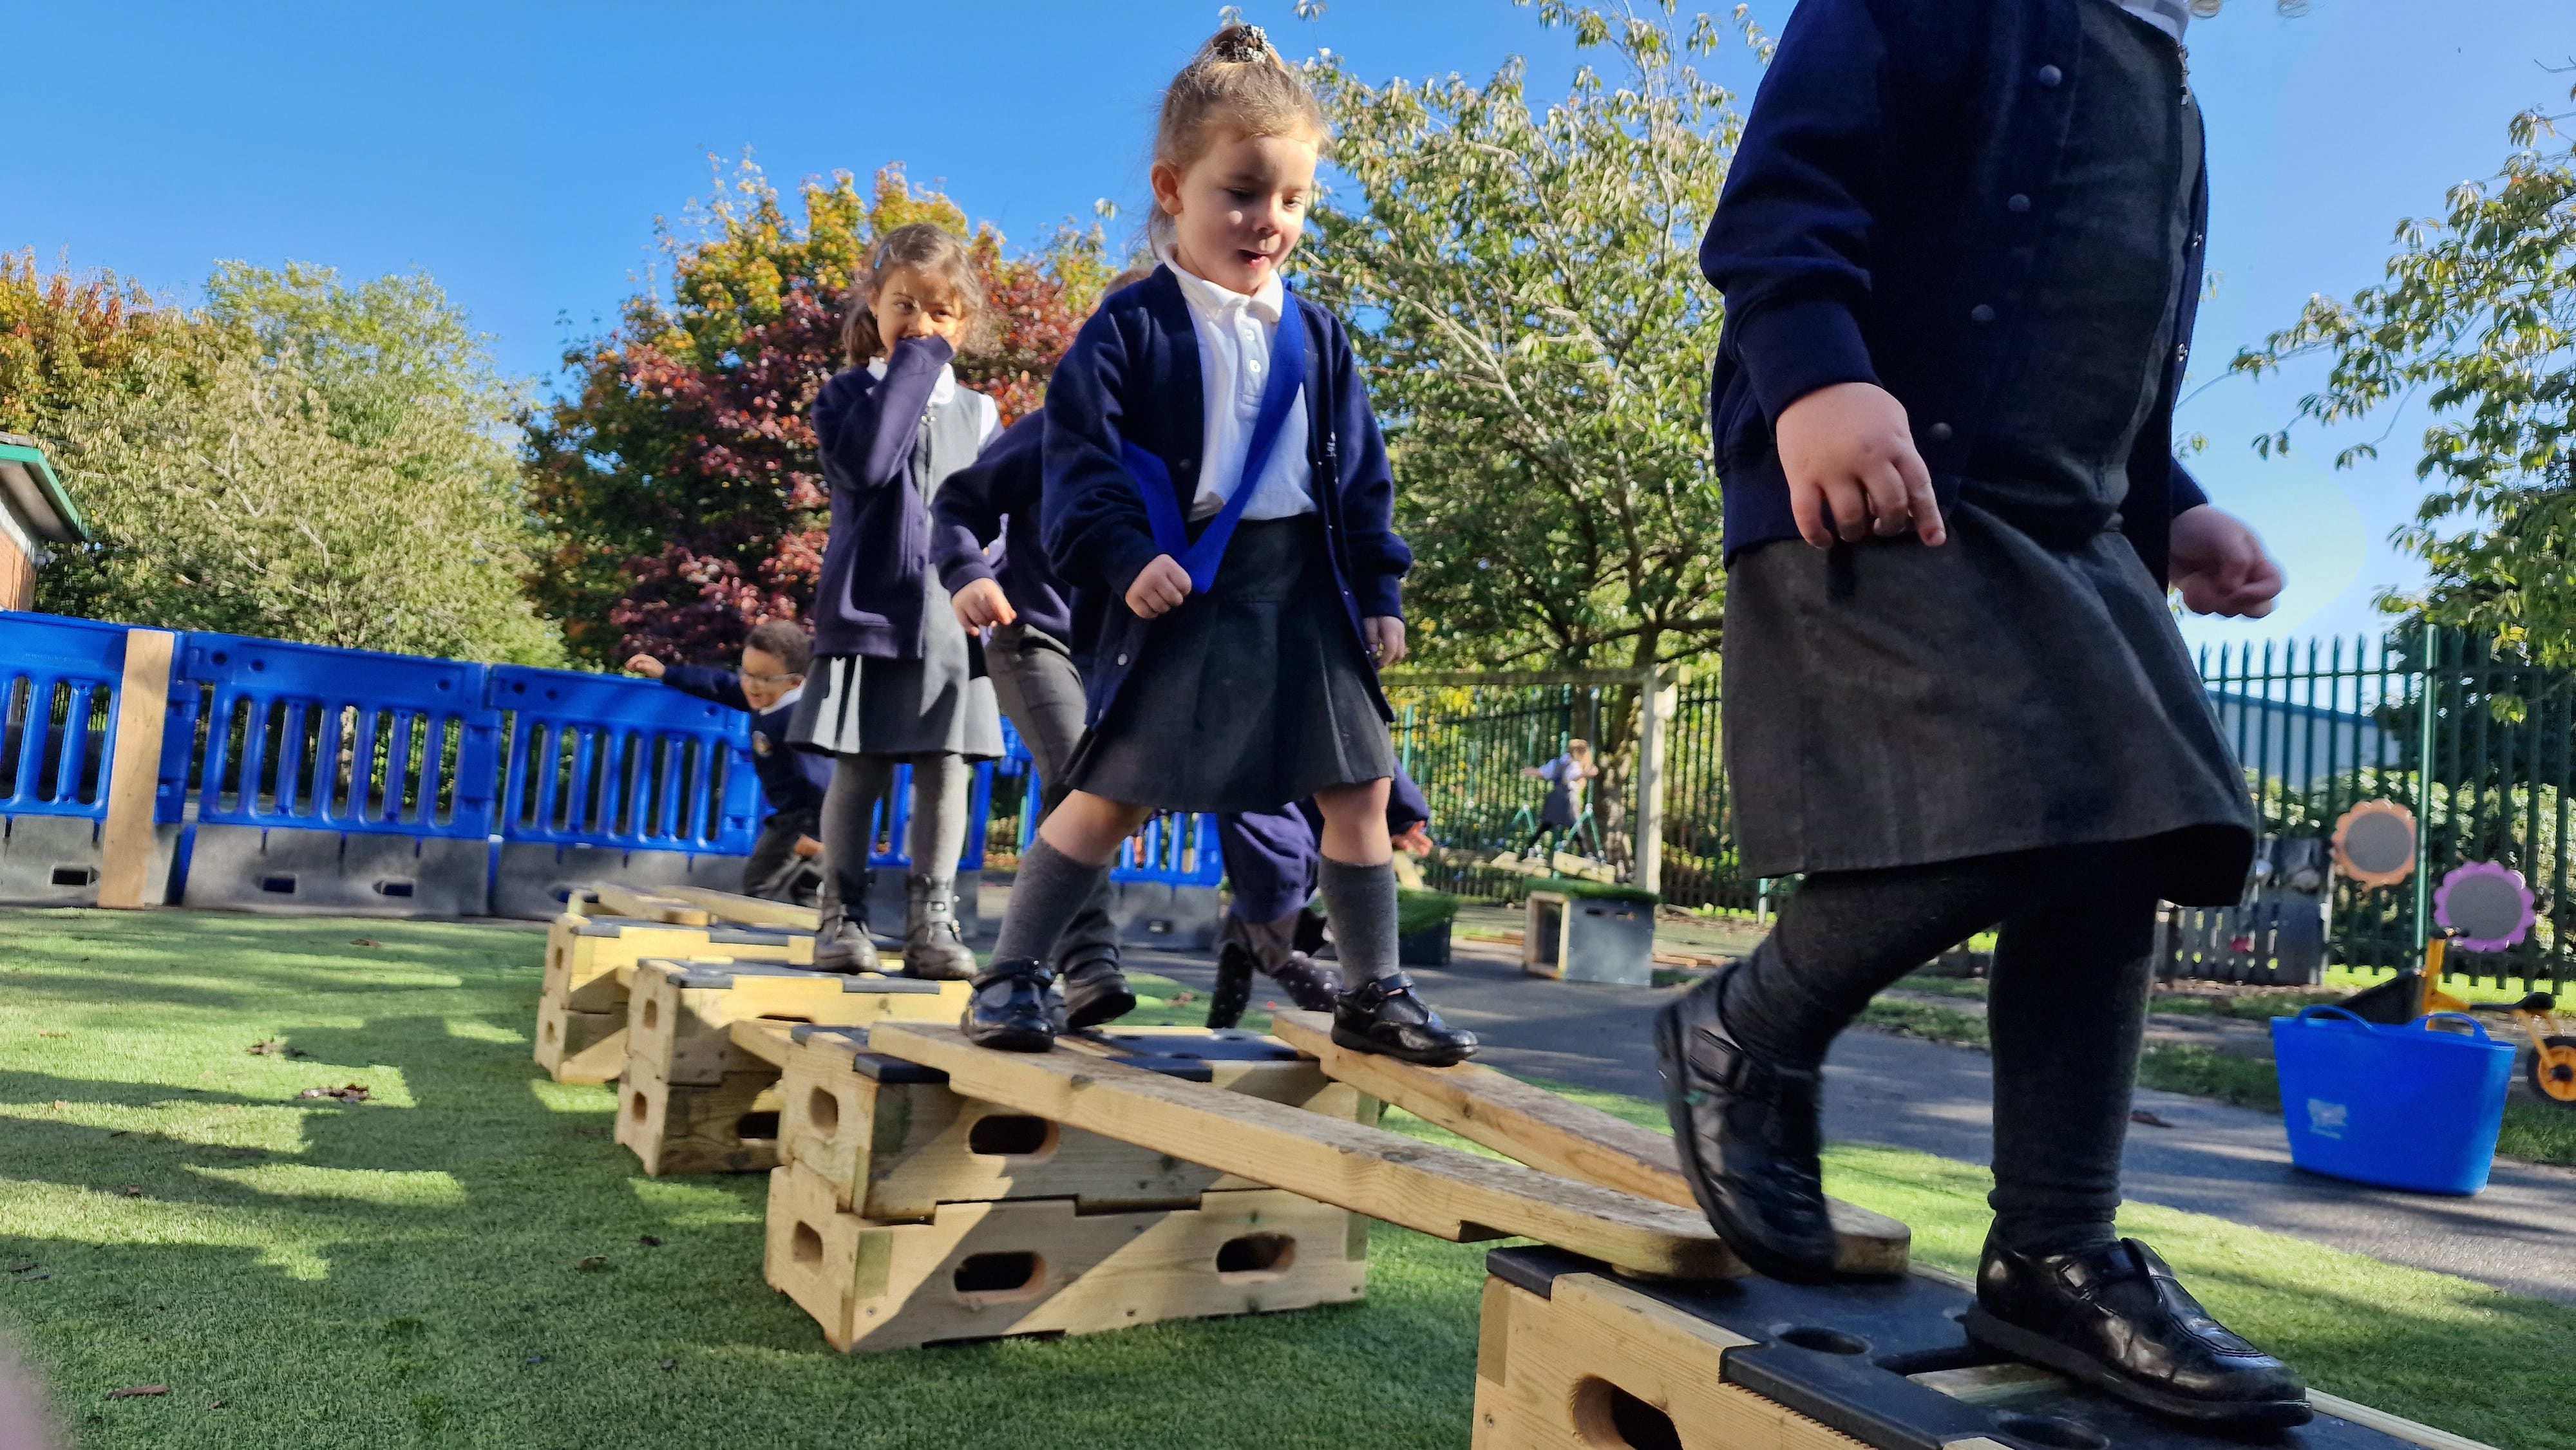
x=940 y=703
x=1248 y=697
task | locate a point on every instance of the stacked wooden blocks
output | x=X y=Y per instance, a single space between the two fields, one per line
x=904 y=1214
x=590 y=963
x=694 y=1099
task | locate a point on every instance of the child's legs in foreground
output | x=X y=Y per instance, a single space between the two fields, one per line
x=937 y=835
x=1357 y=876
x=1060 y=872
x=849 y=819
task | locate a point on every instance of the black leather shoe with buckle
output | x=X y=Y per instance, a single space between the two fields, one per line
x=1011 y=1009
x=1384 y=1017
x=1095 y=992
x=1748 y=1136
x=2114 y=1317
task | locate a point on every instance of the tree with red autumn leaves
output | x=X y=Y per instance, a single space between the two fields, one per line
x=679 y=480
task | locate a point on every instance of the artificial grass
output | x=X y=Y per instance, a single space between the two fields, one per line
x=409 y=1271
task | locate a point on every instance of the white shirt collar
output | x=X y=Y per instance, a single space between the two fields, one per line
x=1214 y=302
x=940 y=392
x=791 y=697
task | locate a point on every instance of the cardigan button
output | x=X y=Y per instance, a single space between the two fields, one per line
x=1981 y=314
x=1122 y=659
x=1938 y=432
x=2049 y=76
x=2016 y=203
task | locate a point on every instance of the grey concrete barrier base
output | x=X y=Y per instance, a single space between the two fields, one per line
x=1155 y=914
x=54 y=861
x=336 y=873
x=530 y=879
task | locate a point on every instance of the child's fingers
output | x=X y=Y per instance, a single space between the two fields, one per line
x=1807 y=506
x=1920 y=502
x=1849 y=500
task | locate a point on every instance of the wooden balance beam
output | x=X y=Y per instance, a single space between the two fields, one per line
x=1440 y=1191
x=1558 y=1135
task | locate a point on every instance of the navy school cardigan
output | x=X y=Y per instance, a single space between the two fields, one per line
x=1879 y=224
x=793 y=780
x=998 y=495
x=1133 y=375
x=870 y=596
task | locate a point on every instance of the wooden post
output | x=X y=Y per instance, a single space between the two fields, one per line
x=1658 y=694
x=134 y=775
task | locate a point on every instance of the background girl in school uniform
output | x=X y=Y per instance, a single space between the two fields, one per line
x=1246 y=680
x=896 y=678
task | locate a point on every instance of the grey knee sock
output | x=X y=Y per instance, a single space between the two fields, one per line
x=1048 y=893
x=1360 y=901
x=849 y=820
x=938 y=834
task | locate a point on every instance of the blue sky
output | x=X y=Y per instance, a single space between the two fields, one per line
x=520 y=153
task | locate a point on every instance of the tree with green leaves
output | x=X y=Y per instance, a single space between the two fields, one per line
x=298 y=459
x=679 y=478
x=2477 y=316
x=1528 y=303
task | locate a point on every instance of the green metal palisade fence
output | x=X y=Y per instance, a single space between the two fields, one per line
x=2319 y=724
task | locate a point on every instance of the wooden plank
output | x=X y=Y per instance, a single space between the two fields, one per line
x=986 y=1270
x=763 y=1039
x=1995 y=1384
x=749 y=910
x=649 y=906
x=1439 y=1191
x=582 y=1047
x=1558 y=1135
x=678 y=1018
x=2388 y=1424
x=1546 y=1368
x=134 y=775
x=730 y=1126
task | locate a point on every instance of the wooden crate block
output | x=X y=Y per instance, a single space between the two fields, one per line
x=730 y=1126
x=583 y=954
x=987 y=1270
x=894 y=1143
x=748 y=910
x=1445 y=1192
x=1569 y=1357
x=580 y=1047
x=1559 y=1135
x=679 y=1012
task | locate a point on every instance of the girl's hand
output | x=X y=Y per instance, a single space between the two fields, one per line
x=1416 y=840
x=2219 y=565
x=645 y=665
x=1159 y=588
x=1852 y=468
x=1385 y=636
x=982 y=603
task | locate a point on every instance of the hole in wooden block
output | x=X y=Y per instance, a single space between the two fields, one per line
x=823 y=1110
x=2052 y=1431
x=548 y=1028
x=1613 y=1419
x=806 y=1246
x=993 y=1278
x=652 y=1014
x=1010 y=1135
x=762 y=1126
x=1255 y=1257
x=1823 y=1341
x=636 y=1106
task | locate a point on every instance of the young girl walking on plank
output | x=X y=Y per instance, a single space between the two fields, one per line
x=896 y=679
x=1232 y=658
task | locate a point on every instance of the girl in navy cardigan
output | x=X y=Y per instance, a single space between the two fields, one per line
x=1218 y=497
x=1960 y=243
x=897 y=680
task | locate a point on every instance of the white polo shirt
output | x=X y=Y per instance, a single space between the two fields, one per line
x=1235 y=334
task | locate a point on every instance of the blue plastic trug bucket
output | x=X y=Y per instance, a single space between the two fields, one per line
x=2401 y=1107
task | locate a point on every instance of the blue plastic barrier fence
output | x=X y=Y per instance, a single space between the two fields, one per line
x=1165 y=877
x=338 y=780
x=610 y=779
x=59 y=681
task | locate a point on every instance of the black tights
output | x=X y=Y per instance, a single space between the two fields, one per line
x=2066 y=1005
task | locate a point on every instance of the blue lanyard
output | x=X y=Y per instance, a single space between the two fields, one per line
x=1154 y=481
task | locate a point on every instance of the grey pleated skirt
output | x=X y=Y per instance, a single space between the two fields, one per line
x=942 y=702
x=1248 y=697
x=1887 y=704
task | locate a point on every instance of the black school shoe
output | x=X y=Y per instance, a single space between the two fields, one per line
x=1233 y=990
x=1384 y=1017
x=2114 y=1317
x=1748 y=1136
x=1011 y=1009
x=1095 y=992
